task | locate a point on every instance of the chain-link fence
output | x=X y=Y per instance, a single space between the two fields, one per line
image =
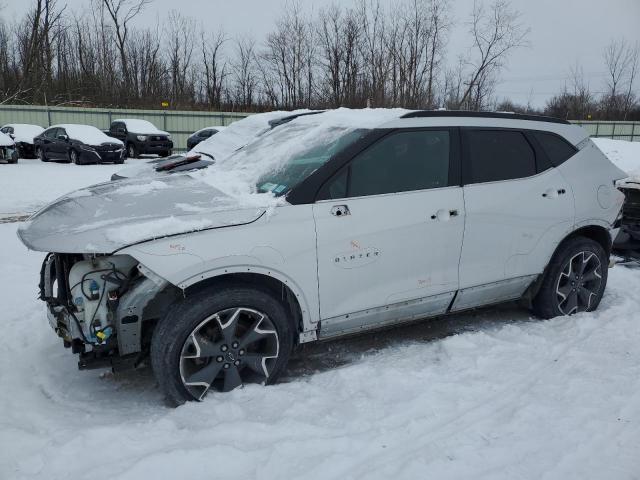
x=180 y=124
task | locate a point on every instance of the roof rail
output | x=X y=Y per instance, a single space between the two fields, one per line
x=464 y=113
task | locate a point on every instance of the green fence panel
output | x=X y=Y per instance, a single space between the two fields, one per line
x=180 y=124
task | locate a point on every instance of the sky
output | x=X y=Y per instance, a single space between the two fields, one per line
x=563 y=33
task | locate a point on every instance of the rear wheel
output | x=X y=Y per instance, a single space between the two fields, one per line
x=575 y=280
x=14 y=157
x=217 y=340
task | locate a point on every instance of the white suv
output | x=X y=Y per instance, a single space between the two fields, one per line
x=332 y=224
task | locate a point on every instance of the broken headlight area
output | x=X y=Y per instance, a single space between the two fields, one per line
x=96 y=305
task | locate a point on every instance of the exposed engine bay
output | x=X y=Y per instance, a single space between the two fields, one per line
x=627 y=243
x=97 y=305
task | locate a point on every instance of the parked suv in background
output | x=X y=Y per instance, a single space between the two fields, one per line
x=23 y=135
x=80 y=144
x=202 y=134
x=366 y=219
x=141 y=137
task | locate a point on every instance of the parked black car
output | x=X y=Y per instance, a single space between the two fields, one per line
x=79 y=144
x=23 y=135
x=201 y=135
x=141 y=137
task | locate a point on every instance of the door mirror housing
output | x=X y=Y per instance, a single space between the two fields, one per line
x=64 y=138
x=121 y=131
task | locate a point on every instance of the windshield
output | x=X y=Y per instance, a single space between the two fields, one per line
x=300 y=165
x=280 y=159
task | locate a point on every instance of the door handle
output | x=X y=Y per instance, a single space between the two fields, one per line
x=443 y=215
x=553 y=193
x=340 y=211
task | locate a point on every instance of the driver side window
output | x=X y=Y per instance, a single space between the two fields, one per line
x=400 y=162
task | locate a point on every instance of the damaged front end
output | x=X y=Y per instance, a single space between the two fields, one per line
x=627 y=243
x=103 y=307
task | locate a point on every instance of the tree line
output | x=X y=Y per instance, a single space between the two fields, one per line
x=365 y=54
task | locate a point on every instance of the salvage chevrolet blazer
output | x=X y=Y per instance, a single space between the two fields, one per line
x=332 y=224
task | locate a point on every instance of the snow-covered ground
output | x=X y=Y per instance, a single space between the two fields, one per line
x=30 y=184
x=491 y=394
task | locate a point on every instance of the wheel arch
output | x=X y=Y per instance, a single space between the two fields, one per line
x=282 y=288
x=592 y=231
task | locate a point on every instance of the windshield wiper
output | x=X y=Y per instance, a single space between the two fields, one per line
x=178 y=163
x=203 y=153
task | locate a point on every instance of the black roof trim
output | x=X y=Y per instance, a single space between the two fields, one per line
x=463 y=113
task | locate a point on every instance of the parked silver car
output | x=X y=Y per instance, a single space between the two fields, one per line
x=329 y=225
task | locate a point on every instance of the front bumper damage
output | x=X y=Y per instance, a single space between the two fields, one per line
x=627 y=243
x=97 y=305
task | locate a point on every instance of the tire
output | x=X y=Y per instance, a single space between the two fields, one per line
x=120 y=161
x=574 y=281
x=74 y=157
x=190 y=343
x=132 y=151
x=14 y=157
x=40 y=154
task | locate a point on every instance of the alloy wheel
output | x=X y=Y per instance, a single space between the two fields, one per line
x=227 y=349
x=579 y=283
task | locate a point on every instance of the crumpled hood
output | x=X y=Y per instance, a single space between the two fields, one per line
x=109 y=216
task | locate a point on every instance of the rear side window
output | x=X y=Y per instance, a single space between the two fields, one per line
x=498 y=155
x=557 y=149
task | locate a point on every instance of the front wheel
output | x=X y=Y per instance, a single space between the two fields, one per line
x=217 y=340
x=575 y=279
x=132 y=152
x=73 y=157
x=40 y=154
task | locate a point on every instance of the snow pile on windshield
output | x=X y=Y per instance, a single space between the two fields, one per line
x=23 y=132
x=140 y=126
x=5 y=140
x=87 y=134
x=239 y=173
x=239 y=134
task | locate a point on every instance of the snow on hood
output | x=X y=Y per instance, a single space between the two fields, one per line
x=24 y=132
x=5 y=140
x=109 y=216
x=87 y=134
x=143 y=127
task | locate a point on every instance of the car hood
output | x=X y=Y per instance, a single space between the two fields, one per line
x=109 y=216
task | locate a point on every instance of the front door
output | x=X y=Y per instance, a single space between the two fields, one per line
x=390 y=234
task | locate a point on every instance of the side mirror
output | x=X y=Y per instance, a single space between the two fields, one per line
x=121 y=130
x=64 y=138
x=13 y=137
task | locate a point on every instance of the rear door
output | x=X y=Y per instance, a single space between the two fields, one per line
x=389 y=232
x=518 y=208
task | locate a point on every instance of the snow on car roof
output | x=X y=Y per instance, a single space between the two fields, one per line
x=86 y=134
x=25 y=132
x=215 y=127
x=140 y=126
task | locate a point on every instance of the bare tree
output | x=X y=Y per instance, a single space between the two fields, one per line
x=122 y=12
x=621 y=60
x=215 y=69
x=244 y=73
x=495 y=33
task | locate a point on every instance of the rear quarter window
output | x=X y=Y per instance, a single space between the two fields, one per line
x=557 y=148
